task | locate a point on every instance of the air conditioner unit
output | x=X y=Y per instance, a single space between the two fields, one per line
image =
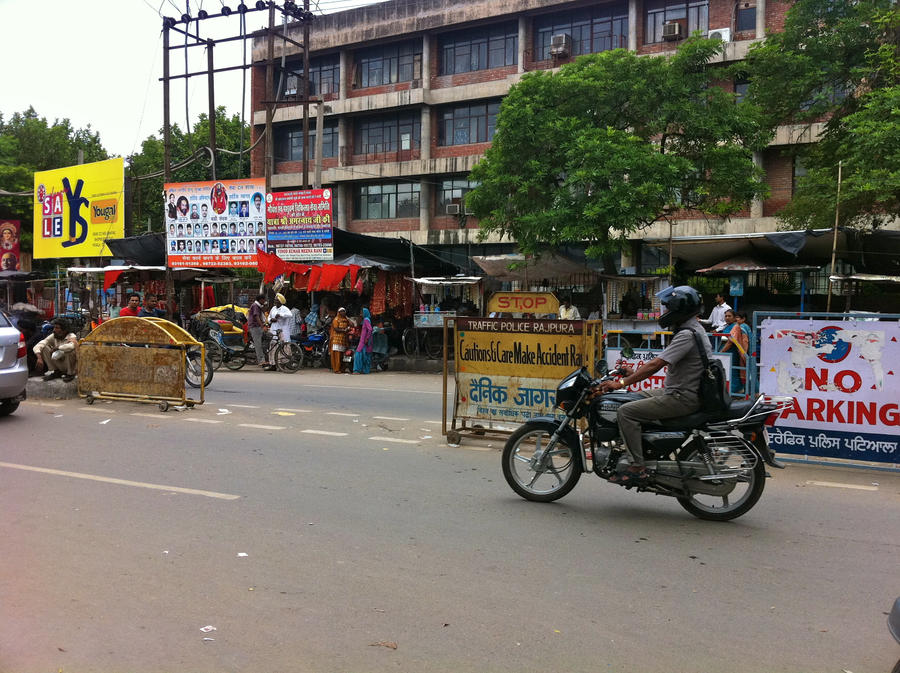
x=672 y=30
x=469 y=211
x=452 y=208
x=723 y=34
x=561 y=45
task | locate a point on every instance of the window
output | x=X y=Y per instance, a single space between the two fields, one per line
x=387 y=201
x=741 y=87
x=388 y=64
x=289 y=142
x=464 y=124
x=479 y=49
x=746 y=19
x=592 y=30
x=454 y=192
x=387 y=133
x=324 y=76
x=799 y=172
x=694 y=14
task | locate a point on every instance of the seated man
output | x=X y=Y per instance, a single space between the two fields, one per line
x=680 y=396
x=56 y=353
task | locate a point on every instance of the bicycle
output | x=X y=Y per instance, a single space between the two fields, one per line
x=427 y=341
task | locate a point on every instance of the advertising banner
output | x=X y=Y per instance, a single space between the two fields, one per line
x=215 y=224
x=845 y=382
x=78 y=208
x=613 y=357
x=9 y=245
x=508 y=370
x=300 y=225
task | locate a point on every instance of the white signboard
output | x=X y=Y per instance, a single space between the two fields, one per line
x=844 y=377
x=614 y=357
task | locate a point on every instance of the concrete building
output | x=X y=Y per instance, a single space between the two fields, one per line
x=413 y=86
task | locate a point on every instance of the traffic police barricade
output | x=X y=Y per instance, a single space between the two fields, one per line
x=139 y=360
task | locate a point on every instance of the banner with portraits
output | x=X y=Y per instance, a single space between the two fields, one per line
x=215 y=224
x=10 y=257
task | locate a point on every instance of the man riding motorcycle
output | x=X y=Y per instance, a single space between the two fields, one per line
x=680 y=396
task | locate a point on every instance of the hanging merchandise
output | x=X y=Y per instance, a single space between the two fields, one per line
x=379 y=293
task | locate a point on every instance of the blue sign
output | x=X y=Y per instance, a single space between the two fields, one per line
x=736 y=286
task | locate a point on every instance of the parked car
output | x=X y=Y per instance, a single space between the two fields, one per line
x=13 y=366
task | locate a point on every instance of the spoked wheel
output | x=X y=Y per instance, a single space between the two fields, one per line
x=234 y=360
x=434 y=344
x=288 y=357
x=410 y=342
x=195 y=370
x=739 y=500
x=547 y=478
x=214 y=353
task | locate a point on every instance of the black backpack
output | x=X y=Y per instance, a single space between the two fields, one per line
x=713 y=391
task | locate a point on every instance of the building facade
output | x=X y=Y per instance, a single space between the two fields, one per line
x=412 y=89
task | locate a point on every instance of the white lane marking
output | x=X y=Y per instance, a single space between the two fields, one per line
x=340 y=413
x=244 y=406
x=390 y=418
x=324 y=432
x=159 y=415
x=49 y=404
x=395 y=440
x=202 y=420
x=834 y=484
x=381 y=390
x=102 y=410
x=262 y=427
x=121 y=482
x=296 y=411
x=434 y=422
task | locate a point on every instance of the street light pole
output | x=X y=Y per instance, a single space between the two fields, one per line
x=837 y=205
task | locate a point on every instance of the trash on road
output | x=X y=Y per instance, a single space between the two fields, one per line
x=243 y=553
x=180 y=407
x=222 y=412
x=209 y=640
x=105 y=422
x=425 y=437
x=384 y=643
x=208 y=628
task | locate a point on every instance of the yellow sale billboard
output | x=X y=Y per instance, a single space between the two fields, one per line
x=78 y=208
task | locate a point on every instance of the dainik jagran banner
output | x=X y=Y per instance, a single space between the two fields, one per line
x=78 y=208
x=215 y=224
x=508 y=370
x=845 y=381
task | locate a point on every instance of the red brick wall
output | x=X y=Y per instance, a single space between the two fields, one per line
x=775 y=12
x=443 y=222
x=257 y=87
x=779 y=176
x=368 y=226
x=257 y=154
x=448 y=81
x=375 y=90
x=297 y=166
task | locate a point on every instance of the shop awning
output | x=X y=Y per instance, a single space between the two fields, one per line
x=551 y=267
x=747 y=263
x=147 y=249
x=445 y=281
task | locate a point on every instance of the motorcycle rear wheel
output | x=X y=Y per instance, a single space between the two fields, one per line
x=725 y=508
x=557 y=473
x=214 y=353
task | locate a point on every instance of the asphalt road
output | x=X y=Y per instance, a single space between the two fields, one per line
x=323 y=552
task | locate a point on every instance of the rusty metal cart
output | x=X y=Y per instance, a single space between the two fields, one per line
x=139 y=360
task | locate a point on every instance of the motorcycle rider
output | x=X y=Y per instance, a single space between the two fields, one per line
x=680 y=396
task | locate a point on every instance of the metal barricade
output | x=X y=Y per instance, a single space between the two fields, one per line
x=139 y=360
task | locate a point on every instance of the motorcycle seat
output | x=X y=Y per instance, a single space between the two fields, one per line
x=736 y=409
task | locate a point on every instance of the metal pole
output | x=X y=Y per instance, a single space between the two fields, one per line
x=837 y=205
x=270 y=96
x=320 y=129
x=167 y=135
x=671 y=270
x=306 y=97
x=212 y=105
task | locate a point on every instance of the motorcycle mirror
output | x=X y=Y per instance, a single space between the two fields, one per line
x=627 y=351
x=601 y=367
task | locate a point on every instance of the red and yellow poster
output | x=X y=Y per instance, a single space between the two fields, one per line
x=10 y=257
x=78 y=208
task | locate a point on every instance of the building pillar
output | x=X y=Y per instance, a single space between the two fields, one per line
x=632 y=25
x=756 y=206
x=343 y=204
x=427 y=44
x=425 y=194
x=523 y=37
x=346 y=66
x=343 y=152
x=425 y=134
x=760 y=19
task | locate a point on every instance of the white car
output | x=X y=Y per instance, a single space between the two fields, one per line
x=13 y=366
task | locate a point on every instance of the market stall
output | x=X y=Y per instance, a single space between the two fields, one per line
x=439 y=298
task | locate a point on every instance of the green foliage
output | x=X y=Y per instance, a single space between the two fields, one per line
x=148 y=194
x=612 y=143
x=837 y=62
x=28 y=143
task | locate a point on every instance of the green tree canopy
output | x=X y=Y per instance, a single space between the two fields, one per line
x=613 y=142
x=148 y=196
x=837 y=62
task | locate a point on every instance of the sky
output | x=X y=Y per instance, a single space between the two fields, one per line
x=98 y=63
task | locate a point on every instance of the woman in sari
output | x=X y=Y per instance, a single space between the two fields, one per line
x=736 y=342
x=362 y=361
x=340 y=328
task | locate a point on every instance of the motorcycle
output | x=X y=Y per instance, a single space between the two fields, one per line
x=713 y=464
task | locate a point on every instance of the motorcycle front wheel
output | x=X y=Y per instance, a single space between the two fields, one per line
x=739 y=501
x=540 y=481
x=193 y=367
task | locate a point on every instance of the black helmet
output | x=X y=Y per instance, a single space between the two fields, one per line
x=681 y=303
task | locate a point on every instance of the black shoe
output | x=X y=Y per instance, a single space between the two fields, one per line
x=55 y=374
x=68 y=377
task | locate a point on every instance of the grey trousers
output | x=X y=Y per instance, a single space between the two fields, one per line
x=65 y=364
x=256 y=336
x=656 y=405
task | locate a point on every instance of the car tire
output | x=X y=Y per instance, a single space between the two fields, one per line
x=8 y=407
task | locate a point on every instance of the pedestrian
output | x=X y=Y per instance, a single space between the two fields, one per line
x=298 y=324
x=256 y=323
x=151 y=309
x=340 y=338
x=280 y=320
x=133 y=308
x=736 y=343
x=56 y=353
x=362 y=360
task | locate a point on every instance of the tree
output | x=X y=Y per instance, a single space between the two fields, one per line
x=148 y=195
x=837 y=62
x=613 y=142
x=28 y=143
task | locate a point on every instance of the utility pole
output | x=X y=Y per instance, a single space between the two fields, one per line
x=270 y=97
x=167 y=135
x=212 y=105
x=306 y=97
x=837 y=205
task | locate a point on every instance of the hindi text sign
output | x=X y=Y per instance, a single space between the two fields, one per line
x=300 y=225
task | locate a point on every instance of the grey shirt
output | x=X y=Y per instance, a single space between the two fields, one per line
x=683 y=358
